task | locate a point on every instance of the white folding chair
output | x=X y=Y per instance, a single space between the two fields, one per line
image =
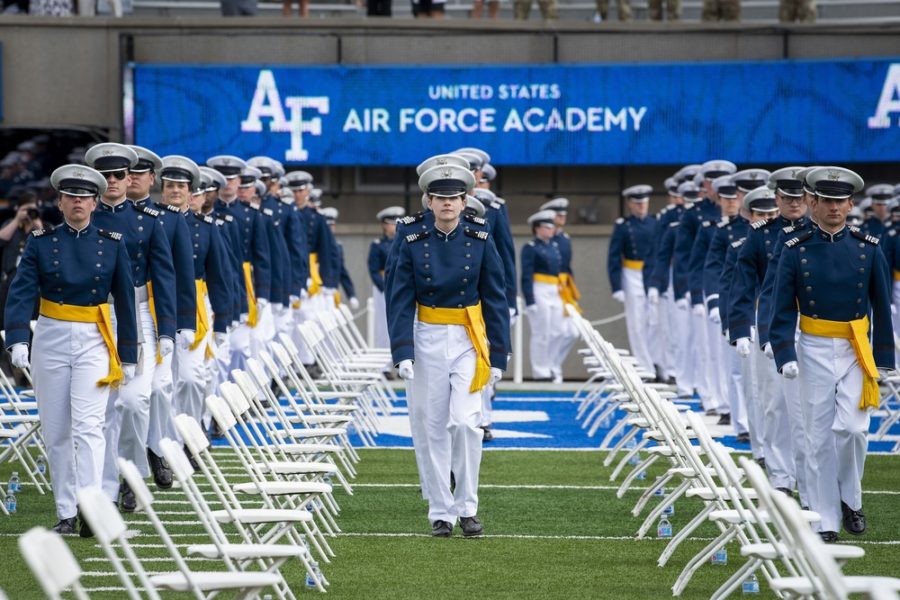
x=52 y=563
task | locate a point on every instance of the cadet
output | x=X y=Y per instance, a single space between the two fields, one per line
x=73 y=268
x=253 y=252
x=231 y=240
x=128 y=409
x=449 y=338
x=496 y=216
x=629 y=247
x=318 y=240
x=882 y=195
x=377 y=260
x=541 y=263
x=834 y=277
x=331 y=216
x=567 y=288
x=143 y=176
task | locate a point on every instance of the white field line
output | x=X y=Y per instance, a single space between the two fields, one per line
x=526 y=486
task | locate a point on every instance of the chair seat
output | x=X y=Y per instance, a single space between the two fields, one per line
x=294 y=468
x=706 y=493
x=282 y=488
x=246 y=551
x=262 y=515
x=802 y=586
x=319 y=419
x=310 y=433
x=338 y=395
x=20 y=419
x=333 y=408
x=734 y=516
x=303 y=449
x=767 y=551
x=215 y=580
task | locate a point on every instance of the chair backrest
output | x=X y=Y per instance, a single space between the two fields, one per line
x=106 y=524
x=192 y=434
x=51 y=561
x=220 y=412
x=232 y=395
x=142 y=494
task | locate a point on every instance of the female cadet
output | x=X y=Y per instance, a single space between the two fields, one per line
x=449 y=330
x=74 y=268
x=541 y=261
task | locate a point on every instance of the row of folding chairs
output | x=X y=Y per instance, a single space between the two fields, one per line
x=773 y=534
x=291 y=446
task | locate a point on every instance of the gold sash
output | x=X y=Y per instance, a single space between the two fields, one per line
x=152 y=306
x=472 y=318
x=314 y=275
x=857 y=331
x=569 y=291
x=633 y=264
x=252 y=311
x=90 y=314
x=544 y=278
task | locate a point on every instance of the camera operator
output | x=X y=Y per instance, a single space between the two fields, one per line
x=13 y=236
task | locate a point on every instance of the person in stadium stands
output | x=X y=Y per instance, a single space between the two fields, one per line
x=835 y=277
x=623 y=6
x=428 y=9
x=376 y=262
x=478 y=9
x=239 y=8
x=77 y=357
x=797 y=11
x=673 y=10
x=541 y=262
x=127 y=424
x=629 y=247
x=549 y=9
x=721 y=10
x=143 y=176
x=449 y=328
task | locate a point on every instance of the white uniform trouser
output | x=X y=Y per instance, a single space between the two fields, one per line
x=734 y=376
x=128 y=409
x=660 y=331
x=756 y=388
x=308 y=308
x=636 y=317
x=698 y=354
x=896 y=320
x=568 y=335
x=444 y=367
x=716 y=367
x=681 y=339
x=68 y=359
x=546 y=334
x=836 y=430
x=162 y=392
x=239 y=342
x=379 y=313
x=192 y=376
x=264 y=332
x=795 y=438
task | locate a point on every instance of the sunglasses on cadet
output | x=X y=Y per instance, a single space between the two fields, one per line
x=120 y=175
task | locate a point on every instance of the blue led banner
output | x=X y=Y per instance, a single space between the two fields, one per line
x=748 y=112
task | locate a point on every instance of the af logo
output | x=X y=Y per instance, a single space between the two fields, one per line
x=267 y=104
x=889 y=102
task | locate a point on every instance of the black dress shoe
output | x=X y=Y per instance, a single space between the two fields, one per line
x=214 y=431
x=471 y=527
x=191 y=459
x=710 y=413
x=854 y=520
x=786 y=492
x=762 y=463
x=488 y=435
x=389 y=375
x=724 y=419
x=162 y=474
x=65 y=526
x=742 y=438
x=84 y=530
x=127 y=502
x=441 y=529
x=829 y=537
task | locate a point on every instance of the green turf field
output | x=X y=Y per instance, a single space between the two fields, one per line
x=554 y=530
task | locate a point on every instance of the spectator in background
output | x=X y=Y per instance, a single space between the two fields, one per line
x=478 y=9
x=624 y=10
x=549 y=9
x=51 y=8
x=378 y=8
x=13 y=236
x=428 y=9
x=673 y=10
x=799 y=11
x=721 y=10
x=247 y=8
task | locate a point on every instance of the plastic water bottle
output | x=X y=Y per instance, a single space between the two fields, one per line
x=14 y=485
x=750 y=585
x=641 y=476
x=664 y=528
x=310 y=582
x=267 y=597
x=41 y=465
x=661 y=492
x=720 y=557
x=669 y=510
x=629 y=446
x=10 y=502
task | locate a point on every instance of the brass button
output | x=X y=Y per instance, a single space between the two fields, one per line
x=808 y=288
x=859 y=285
x=812 y=302
x=802 y=261
x=862 y=257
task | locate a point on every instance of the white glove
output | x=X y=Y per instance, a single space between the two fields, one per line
x=19 y=356
x=221 y=338
x=893 y=309
x=304 y=294
x=681 y=304
x=653 y=315
x=714 y=315
x=513 y=315
x=185 y=338
x=743 y=347
x=128 y=372
x=653 y=295
x=294 y=299
x=405 y=370
x=790 y=370
x=767 y=350
x=354 y=303
x=244 y=318
x=261 y=303
x=619 y=296
x=166 y=345
x=531 y=309
x=496 y=375
x=699 y=310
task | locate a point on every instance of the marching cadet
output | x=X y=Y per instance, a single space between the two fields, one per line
x=128 y=410
x=209 y=264
x=143 y=176
x=318 y=239
x=658 y=327
x=449 y=329
x=74 y=267
x=331 y=215
x=567 y=288
x=541 y=264
x=231 y=239
x=254 y=253
x=629 y=247
x=377 y=262
x=881 y=196
x=488 y=175
x=496 y=216
x=834 y=277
